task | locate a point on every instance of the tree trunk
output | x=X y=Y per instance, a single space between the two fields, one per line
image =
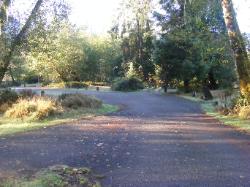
x=206 y=91
x=4 y=5
x=238 y=46
x=186 y=86
x=17 y=41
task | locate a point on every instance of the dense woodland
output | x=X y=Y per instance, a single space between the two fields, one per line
x=191 y=45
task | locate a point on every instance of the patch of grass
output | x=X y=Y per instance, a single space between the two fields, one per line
x=13 y=126
x=230 y=120
x=44 y=180
x=57 y=176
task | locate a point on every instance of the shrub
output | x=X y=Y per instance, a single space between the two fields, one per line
x=26 y=93
x=7 y=98
x=238 y=103
x=4 y=107
x=128 y=84
x=56 y=85
x=36 y=108
x=75 y=84
x=90 y=83
x=244 y=112
x=76 y=101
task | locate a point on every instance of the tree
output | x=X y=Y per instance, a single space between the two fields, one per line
x=10 y=46
x=196 y=27
x=238 y=46
x=135 y=29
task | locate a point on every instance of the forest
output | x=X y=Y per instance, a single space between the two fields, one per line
x=192 y=46
x=170 y=44
x=150 y=102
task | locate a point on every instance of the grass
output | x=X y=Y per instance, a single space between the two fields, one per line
x=13 y=126
x=47 y=179
x=229 y=120
x=57 y=176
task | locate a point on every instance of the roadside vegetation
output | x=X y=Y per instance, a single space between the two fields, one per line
x=58 y=176
x=236 y=115
x=127 y=84
x=26 y=111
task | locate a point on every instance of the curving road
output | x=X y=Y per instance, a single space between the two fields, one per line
x=154 y=141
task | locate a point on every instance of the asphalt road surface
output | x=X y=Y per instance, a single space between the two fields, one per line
x=154 y=141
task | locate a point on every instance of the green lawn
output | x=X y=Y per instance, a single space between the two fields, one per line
x=10 y=126
x=230 y=120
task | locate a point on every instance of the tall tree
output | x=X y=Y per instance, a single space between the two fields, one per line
x=197 y=28
x=136 y=33
x=10 y=48
x=4 y=5
x=238 y=46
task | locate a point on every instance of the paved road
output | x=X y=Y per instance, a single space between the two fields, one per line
x=155 y=141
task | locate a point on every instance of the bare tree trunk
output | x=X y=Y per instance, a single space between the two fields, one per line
x=238 y=46
x=17 y=41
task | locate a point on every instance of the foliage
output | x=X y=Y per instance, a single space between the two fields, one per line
x=75 y=84
x=27 y=93
x=10 y=126
x=12 y=34
x=32 y=109
x=127 y=84
x=229 y=120
x=134 y=28
x=58 y=176
x=55 y=85
x=7 y=98
x=193 y=45
x=60 y=56
x=69 y=54
x=244 y=112
x=76 y=101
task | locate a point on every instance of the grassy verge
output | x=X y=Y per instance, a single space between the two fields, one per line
x=10 y=126
x=57 y=176
x=230 y=120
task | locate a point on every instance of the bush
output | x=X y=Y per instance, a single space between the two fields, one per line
x=238 y=103
x=75 y=84
x=36 y=108
x=76 y=101
x=128 y=84
x=26 y=93
x=7 y=98
x=244 y=112
x=56 y=85
x=90 y=83
x=7 y=84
